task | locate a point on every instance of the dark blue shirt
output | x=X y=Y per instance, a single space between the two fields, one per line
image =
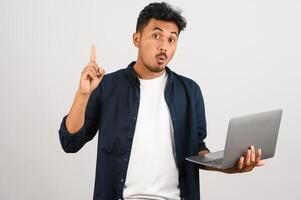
x=112 y=110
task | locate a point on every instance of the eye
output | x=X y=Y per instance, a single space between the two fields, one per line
x=172 y=40
x=156 y=36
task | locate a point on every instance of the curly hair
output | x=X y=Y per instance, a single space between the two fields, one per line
x=160 y=11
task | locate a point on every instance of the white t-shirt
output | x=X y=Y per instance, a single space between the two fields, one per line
x=152 y=172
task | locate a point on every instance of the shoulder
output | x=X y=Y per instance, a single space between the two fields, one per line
x=111 y=81
x=113 y=76
x=190 y=86
x=186 y=81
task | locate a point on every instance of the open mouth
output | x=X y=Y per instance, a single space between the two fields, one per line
x=161 y=59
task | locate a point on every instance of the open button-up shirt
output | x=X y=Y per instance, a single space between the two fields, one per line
x=112 y=110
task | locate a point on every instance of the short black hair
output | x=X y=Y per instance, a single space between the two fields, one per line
x=160 y=11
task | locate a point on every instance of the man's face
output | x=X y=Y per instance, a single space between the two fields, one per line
x=157 y=43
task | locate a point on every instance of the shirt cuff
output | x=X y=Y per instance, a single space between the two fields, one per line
x=203 y=147
x=65 y=133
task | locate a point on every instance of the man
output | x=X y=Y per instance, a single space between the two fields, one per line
x=149 y=119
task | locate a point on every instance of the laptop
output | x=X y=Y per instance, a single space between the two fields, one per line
x=260 y=130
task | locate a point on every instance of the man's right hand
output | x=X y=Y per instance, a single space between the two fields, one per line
x=91 y=75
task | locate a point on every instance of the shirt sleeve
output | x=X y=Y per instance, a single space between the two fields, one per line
x=72 y=143
x=201 y=119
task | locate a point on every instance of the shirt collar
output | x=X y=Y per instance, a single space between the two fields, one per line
x=133 y=77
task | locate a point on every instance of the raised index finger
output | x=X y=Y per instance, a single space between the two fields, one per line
x=93 y=53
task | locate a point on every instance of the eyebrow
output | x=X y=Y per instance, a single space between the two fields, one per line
x=158 y=28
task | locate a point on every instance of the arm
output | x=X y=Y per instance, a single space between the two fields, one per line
x=245 y=163
x=76 y=117
x=90 y=79
x=81 y=123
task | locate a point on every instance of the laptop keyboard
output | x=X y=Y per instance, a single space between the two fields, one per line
x=217 y=162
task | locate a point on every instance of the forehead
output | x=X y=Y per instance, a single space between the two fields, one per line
x=166 y=26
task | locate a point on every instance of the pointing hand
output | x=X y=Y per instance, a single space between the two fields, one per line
x=91 y=75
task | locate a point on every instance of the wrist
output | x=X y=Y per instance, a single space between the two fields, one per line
x=84 y=96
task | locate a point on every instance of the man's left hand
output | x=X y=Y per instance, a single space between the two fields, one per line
x=246 y=163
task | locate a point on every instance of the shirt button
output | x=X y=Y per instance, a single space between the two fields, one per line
x=125 y=159
x=122 y=180
x=134 y=118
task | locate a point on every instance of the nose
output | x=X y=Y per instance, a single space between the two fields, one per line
x=163 y=49
x=163 y=46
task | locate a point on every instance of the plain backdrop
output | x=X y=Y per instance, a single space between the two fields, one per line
x=245 y=55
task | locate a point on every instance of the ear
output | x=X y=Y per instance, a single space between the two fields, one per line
x=136 y=39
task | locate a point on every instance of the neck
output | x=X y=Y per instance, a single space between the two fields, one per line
x=144 y=73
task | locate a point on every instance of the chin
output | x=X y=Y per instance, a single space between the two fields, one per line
x=156 y=69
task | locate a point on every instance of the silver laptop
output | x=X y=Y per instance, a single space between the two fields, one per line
x=260 y=130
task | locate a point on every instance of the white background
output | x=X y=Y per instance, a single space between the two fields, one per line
x=245 y=55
